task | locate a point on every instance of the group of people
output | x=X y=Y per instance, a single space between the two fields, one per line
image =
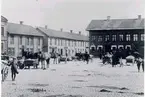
x=116 y=57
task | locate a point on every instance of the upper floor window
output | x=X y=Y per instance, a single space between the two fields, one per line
x=38 y=41
x=65 y=42
x=75 y=43
x=128 y=37
x=68 y=42
x=107 y=38
x=58 y=42
x=100 y=38
x=113 y=37
x=55 y=41
x=27 y=41
x=2 y=31
x=50 y=41
x=20 y=40
x=93 y=38
x=11 y=39
x=135 y=37
x=121 y=37
x=31 y=41
x=142 y=37
x=61 y=42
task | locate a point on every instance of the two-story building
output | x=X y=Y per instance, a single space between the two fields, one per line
x=63 y=42
x=4 y=41
x=111 y=34
x=23 y=36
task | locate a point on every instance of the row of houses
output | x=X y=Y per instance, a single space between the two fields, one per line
x=18 y=36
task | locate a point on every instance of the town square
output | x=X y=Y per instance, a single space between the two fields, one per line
x=72 y=48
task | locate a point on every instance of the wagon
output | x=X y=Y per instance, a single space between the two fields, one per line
x=130 y=60
x=30 y=62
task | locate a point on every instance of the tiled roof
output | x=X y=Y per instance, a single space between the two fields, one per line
x=116 y=24
x=3 y=19
x=22 y=29
x=66 y=35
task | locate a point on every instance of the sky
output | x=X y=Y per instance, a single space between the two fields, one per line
x=69 y=14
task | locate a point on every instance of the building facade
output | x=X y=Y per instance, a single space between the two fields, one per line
x=64 y=42
x=4 y=41
x=111 y=34
x=23 y=36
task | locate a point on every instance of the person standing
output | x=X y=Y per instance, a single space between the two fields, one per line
x=39 y=59
x=66 y=55
x=43 y=61
x=47 y=59
x=139 y=62
x=14 y=70
x=87 y=56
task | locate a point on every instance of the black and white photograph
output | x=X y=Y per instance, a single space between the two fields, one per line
x=72 y=48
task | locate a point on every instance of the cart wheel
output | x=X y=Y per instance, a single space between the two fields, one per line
x=21 y=66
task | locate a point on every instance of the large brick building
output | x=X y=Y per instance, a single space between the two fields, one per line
x=111 y=34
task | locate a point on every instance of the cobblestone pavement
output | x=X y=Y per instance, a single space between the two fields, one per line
x=76 y=79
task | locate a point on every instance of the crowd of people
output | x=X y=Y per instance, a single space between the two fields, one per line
x=43 y=59
x=116 y=58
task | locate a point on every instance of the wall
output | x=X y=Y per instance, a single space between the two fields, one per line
x=4 y=38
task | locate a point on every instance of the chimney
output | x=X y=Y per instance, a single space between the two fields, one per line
x=108 y=17
x=71 y=31
x=80 y=32
x=139 y=17
x=21 y=22
x=61 y=29
x=45 y=26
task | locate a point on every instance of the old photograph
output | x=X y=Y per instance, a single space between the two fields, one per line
x=72 y=48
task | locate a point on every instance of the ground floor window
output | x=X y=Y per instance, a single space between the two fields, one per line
x=11 y=51
x=2 y=47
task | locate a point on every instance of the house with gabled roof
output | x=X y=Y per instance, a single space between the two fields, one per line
x=63 y=42
x=23 y=36
x=110 y=34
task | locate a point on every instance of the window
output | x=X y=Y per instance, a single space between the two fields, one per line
x=58 y=42
x=128 y=37
x=2 y=47
x=38 y=41
x=61 y=42
x=55 y=41
x=75 y=43
x=50 y=41
x=68 y=43
x=100 y=38
x=93 y=38
x=11 y=39
x=11 y=51
x=31 y=41
x=113 y=37
x=27 y=41
x=107 y=38
x=135 y=37
x=31 y=50
x=20 y=40
x=121 y=37
x=2 y=31
x=142 y=37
